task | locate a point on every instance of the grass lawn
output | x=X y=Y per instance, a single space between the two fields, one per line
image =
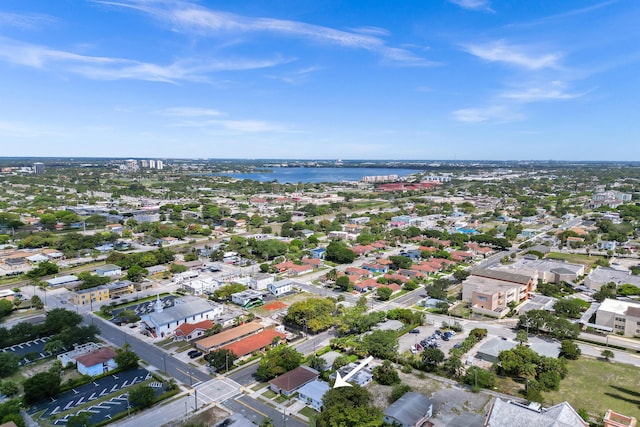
x=308 y=412
x=269 y=394
x=575 y=258
x=596 y=386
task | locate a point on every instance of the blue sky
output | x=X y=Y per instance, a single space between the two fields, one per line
x=360 y=79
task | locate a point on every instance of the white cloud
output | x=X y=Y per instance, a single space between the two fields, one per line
x=491 y=113
x=519 y=55
x=29 y=21
x=105 y=68
x=554 y=92
x=297 y=76
x=473 y=4
x=193 y=18
x=190 y=112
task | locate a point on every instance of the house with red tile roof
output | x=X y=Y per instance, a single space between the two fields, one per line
x=365 y=285
x=424 y=267
x=315 y=262
x=384 y=261
x=428 y=249
x=393 y=286
x=297 y=270
x=188 y=331
x=355 y=271
x=258 y=342
x=397 y=277
x=360 y=250
x=284 y=266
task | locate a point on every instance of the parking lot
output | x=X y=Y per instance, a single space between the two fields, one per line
x=92 y=391
x=33 y=347
x=145 y=307
x=425 y=332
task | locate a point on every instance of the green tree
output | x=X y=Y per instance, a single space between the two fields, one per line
x=607 y=354
x=135 y=273
x=569 y=350
x=141 y=396
x=344 y=283
x=126 y=358
x=479 y=378
x=432 y=358
x=400 y=261
x=81 y=419
x=384 y=293
x=316 y=362
x=9 y=388
x=522 y=336
x=398 y=391
x=9 y=363
x=348 y=407
x=277 y=361
x=453 y=366
x=221 y=360
x=40 y=386
x=386 y=374
x=6 y=307
x=340 y=253
x=36 y=302
x=381 y=344
x=54 y=346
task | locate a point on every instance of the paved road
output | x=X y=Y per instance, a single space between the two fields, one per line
x=246 y=375
x=256 y=411
x=179 y=370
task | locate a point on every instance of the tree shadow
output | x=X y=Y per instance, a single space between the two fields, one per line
x=626 y=390
x=624 y=398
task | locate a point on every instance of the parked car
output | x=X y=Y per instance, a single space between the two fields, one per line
x=192 y=352
x=414 y=331
x=195 y=354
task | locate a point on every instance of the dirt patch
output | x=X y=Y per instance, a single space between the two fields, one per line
x=276 y=305
x=207 y=418
x=416 y=380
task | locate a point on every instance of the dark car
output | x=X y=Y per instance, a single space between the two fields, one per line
x=192 y=352
x=414 y=331
x=438 y=332
x=195 y=354
x=445 y=338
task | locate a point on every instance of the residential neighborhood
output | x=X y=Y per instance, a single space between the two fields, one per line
x=275 y=293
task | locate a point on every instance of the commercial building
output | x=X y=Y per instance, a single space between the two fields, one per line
x=162 y=321
x=38 y=168
x=411 y=410
x=622 y=317
x=91 y=295
x=489 y=292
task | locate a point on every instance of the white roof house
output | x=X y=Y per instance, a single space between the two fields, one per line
x=186 y=310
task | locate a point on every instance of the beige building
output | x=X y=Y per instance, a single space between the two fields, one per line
x=622 y=316
x=89 y=296
x=490 y=291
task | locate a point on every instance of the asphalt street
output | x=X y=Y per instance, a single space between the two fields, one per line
x=256 y=411
x=177 y=369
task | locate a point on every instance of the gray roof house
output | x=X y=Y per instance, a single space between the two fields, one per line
x=411 y=410
x=508 y=414
x=363 y=377
x=311 y=394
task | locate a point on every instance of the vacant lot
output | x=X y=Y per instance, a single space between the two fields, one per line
x=575 y=258
x=596 y=386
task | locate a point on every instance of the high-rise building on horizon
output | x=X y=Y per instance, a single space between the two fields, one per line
x=152 y=164
x=159 y=165
x=38 y=168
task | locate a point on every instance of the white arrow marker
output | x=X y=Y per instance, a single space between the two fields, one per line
x=69 y=405
x=93 y=396
x=342 y=382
